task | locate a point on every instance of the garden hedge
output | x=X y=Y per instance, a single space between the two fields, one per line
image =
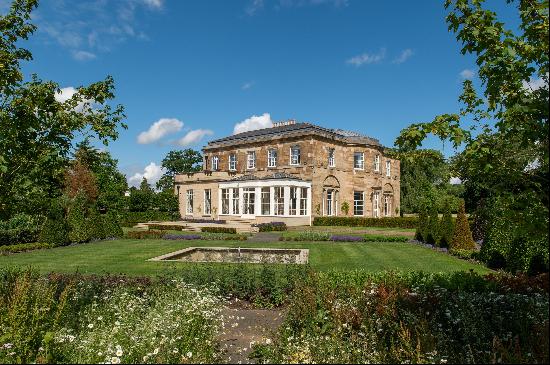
x=231 y=230
x=165 y=227
x=24 y=247
x=390 y=222
x=130 y=219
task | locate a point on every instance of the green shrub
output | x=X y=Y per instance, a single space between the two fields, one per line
x=271 y=226
x=515 y=235
x=130 y=219
x=464 y=254
x=165 y=227
x=144 y=235
x=112 y=226
x=462 y=236
x=96 y=225
x=231 y=230
x=21 y=247
x=305 y=236
x=223 y=236
x=80 y=229
x=21 y=228
x=446 y=228
x=433 y=227
x=383 y=238
x=55 y=232
x=390 y=222
x=423 y=224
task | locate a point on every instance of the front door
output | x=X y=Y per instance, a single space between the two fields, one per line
x=249 y=200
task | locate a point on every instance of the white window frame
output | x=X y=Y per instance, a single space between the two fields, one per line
x=225 y=201
x=232 y=162
x=189 y=202
x=235 y=202
x=387 y=205
x=295 y=158
x=388 y=168
x=278 y=204
x=359 y=203
x=250 y=160
x=376 y=204
x=271 y=157
x=303 y=201
x=207 y=201
x=249 y=201
x=265 y=194
x=293 y=207
x=331 y=157
x=215 y=163
x=377 y=163
x=361 y=161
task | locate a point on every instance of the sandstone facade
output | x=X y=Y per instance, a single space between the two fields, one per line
x=334 y=169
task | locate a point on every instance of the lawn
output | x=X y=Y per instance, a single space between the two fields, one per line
x=391 y=231
x=130 y=257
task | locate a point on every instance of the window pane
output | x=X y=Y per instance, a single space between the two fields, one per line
x=266 y=201
x=303 y=201
x=293 y=201
x=236 y=201
x=295 y=155
x=279 y=200
x=272 y=158
x=207 y=201
x=225 y=201
x=358 y=160
x=189 y=202
x=358 y=203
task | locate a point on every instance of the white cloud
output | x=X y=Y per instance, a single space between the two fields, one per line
x=247 y=85
x=455 y=181
x=97 y=25
x=83 y=56
x=252 y=123
x=159 y=129
x=254 y=6
x=405 y=55
x=193 y=137
x=66 y=93
x=365 y=58
x=154 y=3
x=467 y=74
x=152 y=173
x=535 y=84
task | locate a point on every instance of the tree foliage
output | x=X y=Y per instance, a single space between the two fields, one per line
x=504 y=131
x=36 y=129
x=178 y=162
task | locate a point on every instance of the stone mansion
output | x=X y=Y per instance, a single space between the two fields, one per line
x=290 y=173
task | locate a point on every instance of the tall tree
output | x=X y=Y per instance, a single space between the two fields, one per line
x=178 y=162
x=36 y=129
x=505 y=156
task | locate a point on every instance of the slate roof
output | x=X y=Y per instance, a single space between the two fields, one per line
x=274 y=176
x=291 y=130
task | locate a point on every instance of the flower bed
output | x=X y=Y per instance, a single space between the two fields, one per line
x=140 y=235
x=232 y=230
x=412 y=318
x=395 y=222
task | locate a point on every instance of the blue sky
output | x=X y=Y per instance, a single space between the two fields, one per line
x=190 y=71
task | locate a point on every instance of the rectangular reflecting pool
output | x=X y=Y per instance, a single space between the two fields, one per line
x=238 y=255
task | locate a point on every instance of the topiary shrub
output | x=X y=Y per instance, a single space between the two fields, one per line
x=433 y=227
x=422 y=228
x=462 y=236
x=446 y=226
x=345 y=208
x=96 y=225
x=55 y=230
x=76 y=217
x=112 y=226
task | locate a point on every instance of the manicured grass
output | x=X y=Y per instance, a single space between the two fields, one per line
x=409 y=232
x=130 y=257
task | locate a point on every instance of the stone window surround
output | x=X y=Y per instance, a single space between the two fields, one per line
x=356 y=204
x=215 y=163
x=258 y=185
x=362 y=160
x=272 y=157
x=250 y=162
x=293 y=149
x=232 y=162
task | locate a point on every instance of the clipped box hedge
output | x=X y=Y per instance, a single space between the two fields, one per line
x=390 y=222
x=231 y=230
x=165 y=227
x=22 y=247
